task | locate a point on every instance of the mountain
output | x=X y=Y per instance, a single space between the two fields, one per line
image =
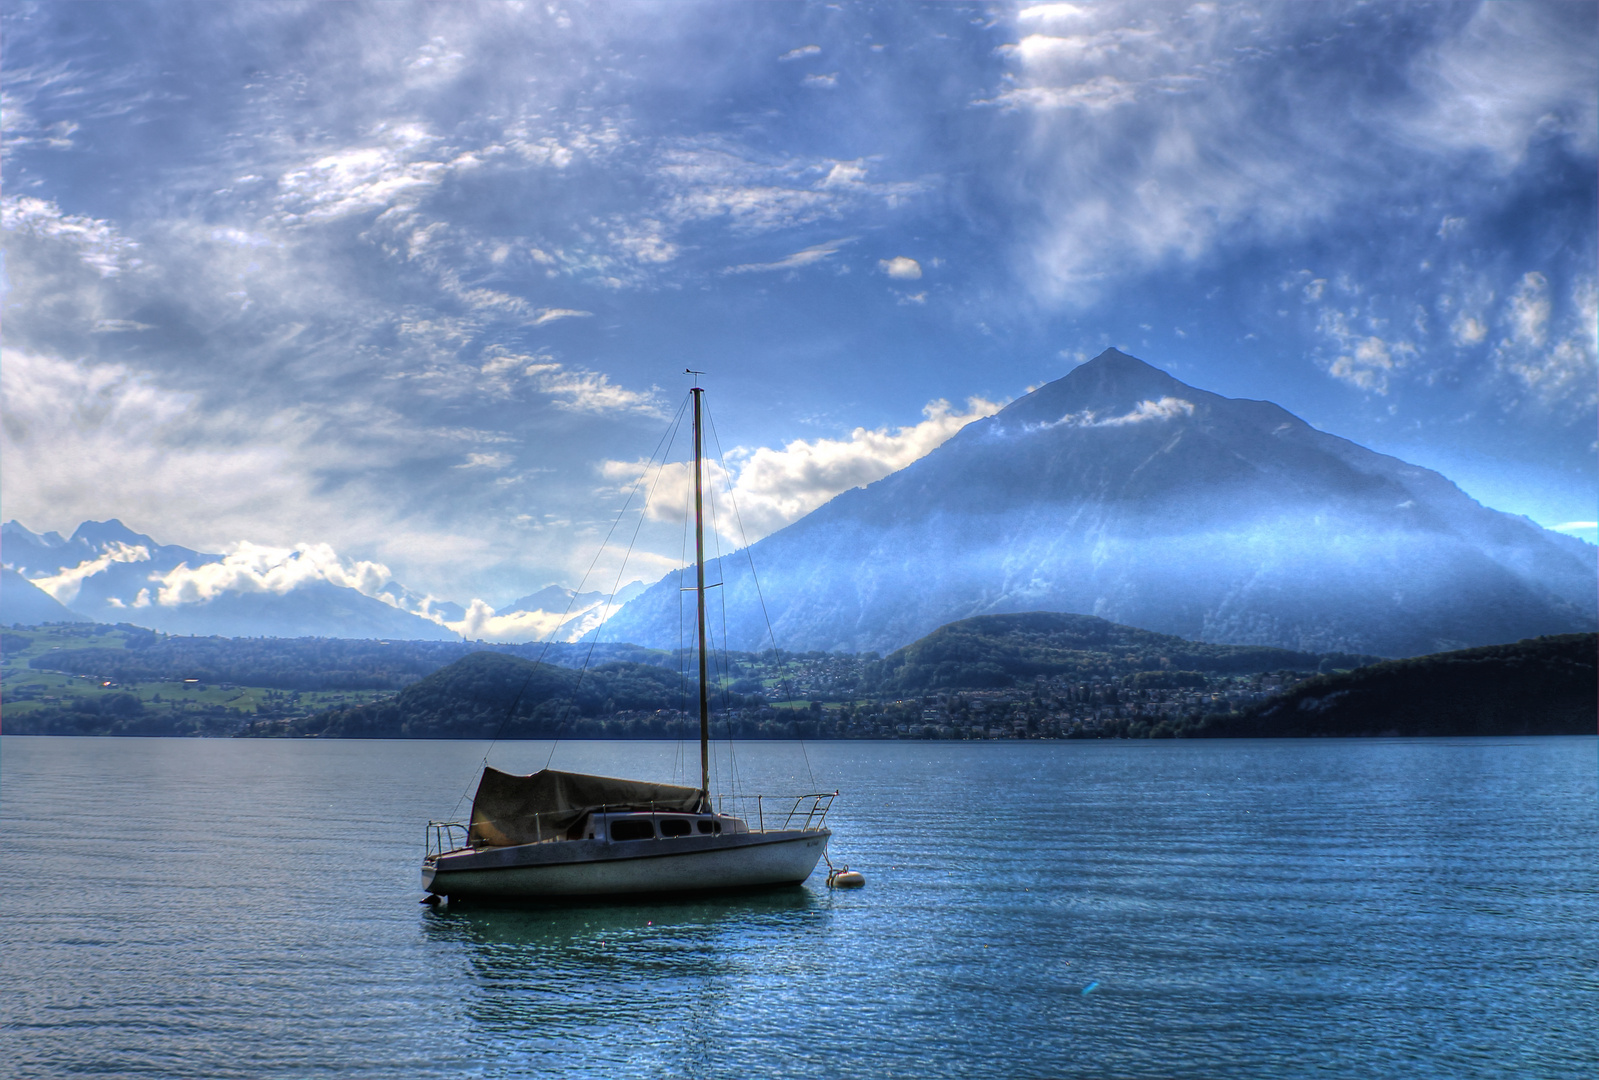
x=577 y=613
x=24 y=603
x=1012 y=650
x=1122 y=492
x=110 y=573
x=490 y=695
x=1545 y=686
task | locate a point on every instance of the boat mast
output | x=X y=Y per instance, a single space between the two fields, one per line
x=699 y=598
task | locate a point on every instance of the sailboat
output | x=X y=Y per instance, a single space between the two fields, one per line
x=555 y=835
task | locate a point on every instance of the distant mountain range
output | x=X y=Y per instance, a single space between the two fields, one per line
x=1117 y=491
x=106 y=572
x=109 y=573
x=1122 y=492
x=580 y=612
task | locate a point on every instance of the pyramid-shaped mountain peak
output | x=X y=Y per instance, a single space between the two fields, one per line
x=1115 y=359
x=1123 y=492
x=1111 y=384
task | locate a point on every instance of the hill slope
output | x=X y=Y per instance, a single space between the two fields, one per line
x=1546 y=686
x=1003 y=650
x=1122 y=492
x=487 y=693
x=22 y=602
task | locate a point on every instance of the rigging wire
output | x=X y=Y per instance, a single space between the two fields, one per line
x=685 y=654
x=622 y=568
x=550 y=639
x=743 y=536
x=725 y=674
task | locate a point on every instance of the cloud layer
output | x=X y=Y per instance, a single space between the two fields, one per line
x=770 y=487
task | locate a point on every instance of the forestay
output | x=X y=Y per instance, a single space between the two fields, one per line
x=510 y=809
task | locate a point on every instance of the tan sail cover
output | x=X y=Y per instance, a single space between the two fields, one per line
x=511 y=809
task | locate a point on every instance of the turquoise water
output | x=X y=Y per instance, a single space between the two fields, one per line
x=211 y=908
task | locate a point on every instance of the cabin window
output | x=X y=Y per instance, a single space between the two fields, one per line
x=632 y=829
x=675 y=827
x=710 y=826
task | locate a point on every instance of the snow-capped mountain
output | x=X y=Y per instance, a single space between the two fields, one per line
x=106 y=572
x=109 y=573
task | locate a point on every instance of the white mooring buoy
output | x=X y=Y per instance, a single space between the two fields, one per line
x=845 y=878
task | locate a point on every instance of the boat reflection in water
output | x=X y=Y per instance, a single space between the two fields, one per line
x=630 y=988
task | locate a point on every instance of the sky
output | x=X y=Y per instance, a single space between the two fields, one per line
x=417 y=283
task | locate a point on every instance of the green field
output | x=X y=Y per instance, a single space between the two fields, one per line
x=37 y=698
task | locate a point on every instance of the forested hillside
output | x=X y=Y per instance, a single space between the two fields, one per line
x=487 y=694
x=1541 y=686
x=303 y=663
x=1004 y=650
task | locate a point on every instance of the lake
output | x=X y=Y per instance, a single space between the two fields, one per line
x=1318 y=908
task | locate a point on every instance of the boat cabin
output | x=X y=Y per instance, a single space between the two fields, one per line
x=648 y=825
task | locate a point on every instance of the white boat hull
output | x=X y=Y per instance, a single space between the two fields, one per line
x=575 y=868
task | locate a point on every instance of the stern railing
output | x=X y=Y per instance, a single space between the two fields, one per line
x=810 y=809
x=441 y=837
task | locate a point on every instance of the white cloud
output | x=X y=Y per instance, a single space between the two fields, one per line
x=589 y=391
x=1468 y=330
x=844 y=174
x=1053 y=16
x=774 y=487
x=1365 y=358
x=255 y=568
x=482 y=623
x=821 y=82
x=711 y=182
x=1561 y=374
x=1100 y=92
x=96 y=243
x=64 y=586
x=1512 y=74
x=435 y=62
x=801 y=52
x=1145 y=412
x=813 y=254
x=546 y=315
x=83 y=441
x=1159 y=133
x=900 y=268
x=485 y=461
x=1529 y=310
x=1367 y=365
x=393 y=174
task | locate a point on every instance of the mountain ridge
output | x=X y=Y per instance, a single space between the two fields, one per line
x=1122 y=492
